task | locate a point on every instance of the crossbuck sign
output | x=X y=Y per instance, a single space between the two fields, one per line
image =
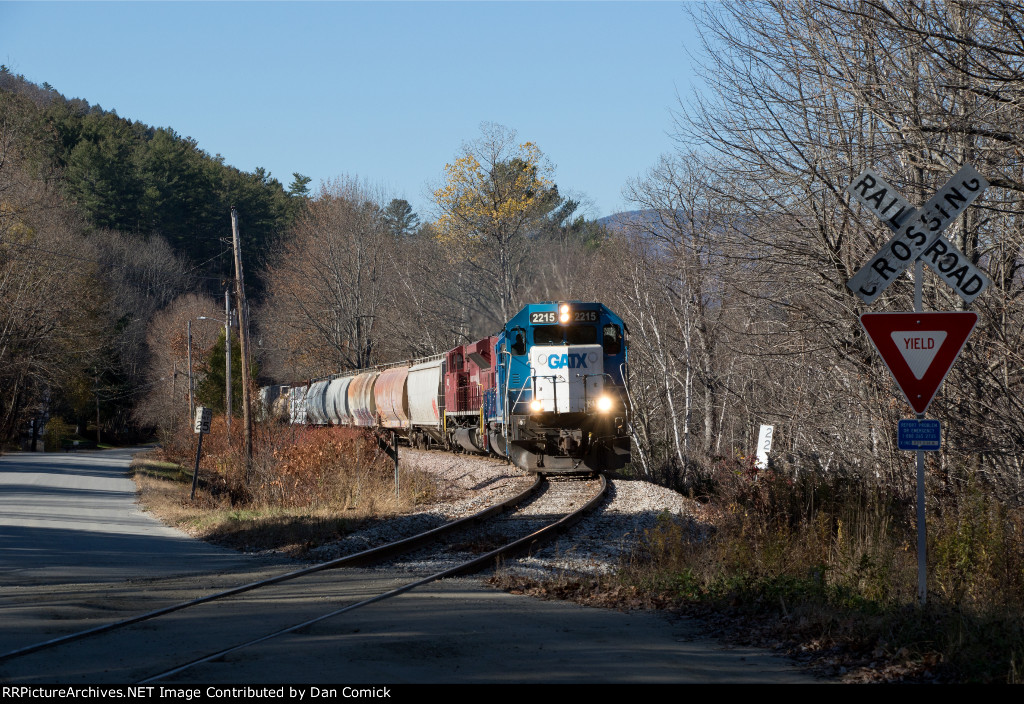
x=918 y=234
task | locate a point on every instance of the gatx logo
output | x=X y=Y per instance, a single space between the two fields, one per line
x=563 y=361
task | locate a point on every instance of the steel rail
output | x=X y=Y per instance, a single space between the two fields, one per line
x=360 y=558
x=471 y=567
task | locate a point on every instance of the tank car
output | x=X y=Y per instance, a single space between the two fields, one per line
x=297 y=404
x=273 y=405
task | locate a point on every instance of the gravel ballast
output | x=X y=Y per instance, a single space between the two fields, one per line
x=467 y=484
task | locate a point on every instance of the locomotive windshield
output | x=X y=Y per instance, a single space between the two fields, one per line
x=572 y=334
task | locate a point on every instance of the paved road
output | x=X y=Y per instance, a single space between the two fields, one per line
x=462 y=631
x=75 y=551
x=73 y=517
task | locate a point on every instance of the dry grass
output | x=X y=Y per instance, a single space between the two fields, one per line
x=830 y=566
x=826 y=571
x=305 y=487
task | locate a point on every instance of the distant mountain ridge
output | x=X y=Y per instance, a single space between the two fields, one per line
x=648 y=221
x=617 y=221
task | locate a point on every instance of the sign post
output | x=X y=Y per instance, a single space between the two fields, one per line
x=204 y=416
x=919 y=348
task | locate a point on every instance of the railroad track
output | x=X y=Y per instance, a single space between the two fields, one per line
x=167 y=642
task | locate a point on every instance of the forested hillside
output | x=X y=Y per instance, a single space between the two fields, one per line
x=104 y=221
x=135 y=178
x=115 y=235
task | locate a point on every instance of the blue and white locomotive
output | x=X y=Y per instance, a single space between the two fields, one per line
x=561 y=401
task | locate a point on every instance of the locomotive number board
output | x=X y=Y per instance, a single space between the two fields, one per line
x=551 y=317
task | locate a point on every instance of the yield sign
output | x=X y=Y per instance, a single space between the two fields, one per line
x=919 y=348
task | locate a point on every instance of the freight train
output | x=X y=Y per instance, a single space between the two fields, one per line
x=547 y=393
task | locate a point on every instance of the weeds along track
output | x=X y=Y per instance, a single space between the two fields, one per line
x=167 y=642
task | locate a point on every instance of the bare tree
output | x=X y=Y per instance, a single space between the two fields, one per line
x=49 y=327
x=802 y=96
x=327 y=287
x=138 y=277
x=166 y=403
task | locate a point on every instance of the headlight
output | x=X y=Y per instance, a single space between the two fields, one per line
x=563 y=313
x=604 y=404
x=537 y=405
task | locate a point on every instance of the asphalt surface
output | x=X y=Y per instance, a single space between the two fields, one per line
x=76 y=551
x=73 y=517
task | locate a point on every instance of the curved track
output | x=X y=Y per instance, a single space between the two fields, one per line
x=128 y=651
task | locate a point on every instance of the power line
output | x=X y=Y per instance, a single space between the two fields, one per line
x=102 y=262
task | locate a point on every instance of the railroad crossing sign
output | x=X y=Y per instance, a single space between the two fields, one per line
x=919 y=348
x=918 y=234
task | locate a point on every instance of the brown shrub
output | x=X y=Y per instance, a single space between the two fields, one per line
x=295 y=466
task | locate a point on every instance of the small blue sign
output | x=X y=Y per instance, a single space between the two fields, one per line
x=917 y=434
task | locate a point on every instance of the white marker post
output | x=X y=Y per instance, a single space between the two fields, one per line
x=764 y=446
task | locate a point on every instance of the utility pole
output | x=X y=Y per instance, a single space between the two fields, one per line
x=243 y=338
x=191 y=399
x=96 y=379
x=227 y=357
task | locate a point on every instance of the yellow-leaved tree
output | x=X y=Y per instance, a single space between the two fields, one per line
x=494 y=197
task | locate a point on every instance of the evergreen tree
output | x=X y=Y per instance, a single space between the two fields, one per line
x=299 y=187
x=400 y=219
x=210 y=389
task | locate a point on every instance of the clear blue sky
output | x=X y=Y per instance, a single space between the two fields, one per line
x=385 y=91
